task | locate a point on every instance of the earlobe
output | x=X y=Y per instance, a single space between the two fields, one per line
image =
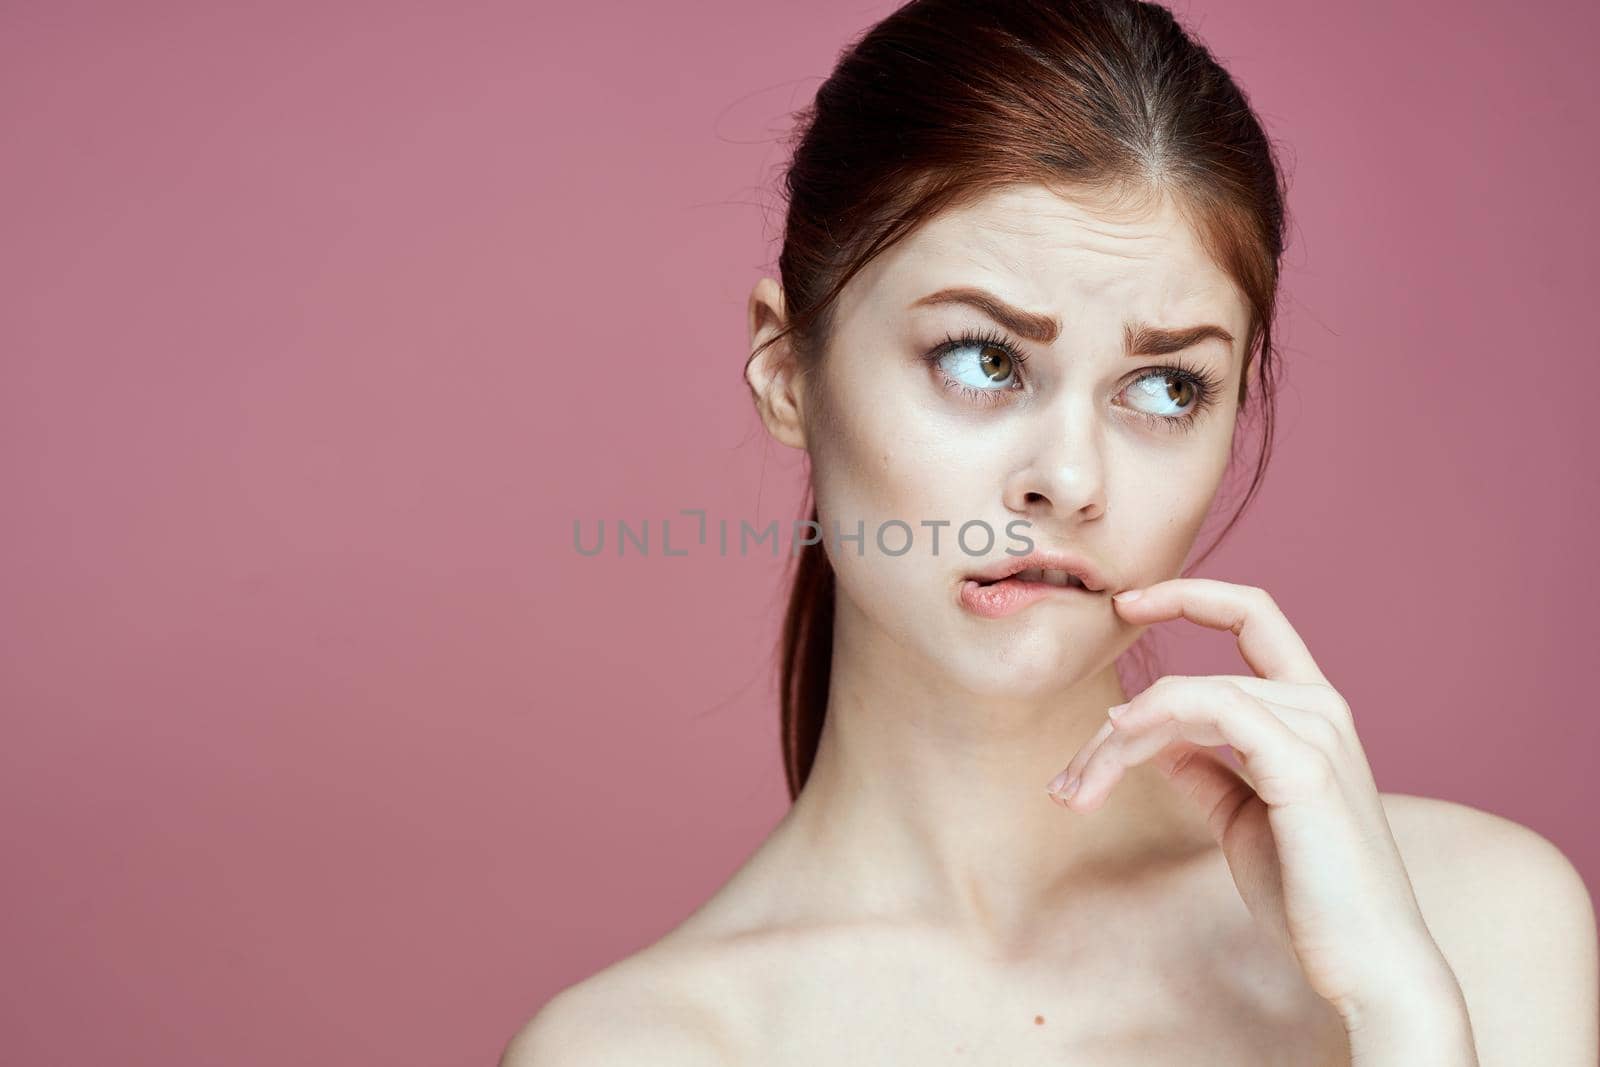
x=773 y=373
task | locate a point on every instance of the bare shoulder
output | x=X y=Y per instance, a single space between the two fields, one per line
x=1466 y=859
x=1515 y=921
x=638 y=1010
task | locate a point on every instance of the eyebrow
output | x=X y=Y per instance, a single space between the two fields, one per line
x=1139 y=339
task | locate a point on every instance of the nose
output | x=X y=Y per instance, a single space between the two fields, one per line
x=1062 y=474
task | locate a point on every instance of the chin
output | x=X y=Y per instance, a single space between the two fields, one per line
x=1023 y=667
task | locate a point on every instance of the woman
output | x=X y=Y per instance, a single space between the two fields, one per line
x=1028 y=275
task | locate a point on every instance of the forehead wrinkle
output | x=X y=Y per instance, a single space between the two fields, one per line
x=998 y=230
x=979 y=242
x=1075 y=248
x=1155 y=230
x=1112 y=225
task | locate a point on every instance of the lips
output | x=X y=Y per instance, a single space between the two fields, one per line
x=1047 y=575
x=1014 y=583
x=992 y=600
x=1054 y=568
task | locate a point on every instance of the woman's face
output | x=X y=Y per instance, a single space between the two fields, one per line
x=1104 y=454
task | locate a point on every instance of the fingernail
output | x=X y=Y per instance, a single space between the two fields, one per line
x=1117 y=709
x=1070 y=788
x=1056 y=783
x=1127 y=595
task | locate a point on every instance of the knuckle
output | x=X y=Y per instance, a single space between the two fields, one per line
x=1317 y=768
x=1263 y=598
x=1234 y=691
x=1235 y=702
x=1339 y=708
x=1338 y=712
x=1166 y=684
x=1323 y=733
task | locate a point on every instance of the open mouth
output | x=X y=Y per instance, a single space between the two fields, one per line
x=1065 y=579
x=993 y=598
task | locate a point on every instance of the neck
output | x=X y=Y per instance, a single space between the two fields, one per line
x=926 y=799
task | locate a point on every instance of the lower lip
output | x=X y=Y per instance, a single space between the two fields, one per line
x=1012 y=594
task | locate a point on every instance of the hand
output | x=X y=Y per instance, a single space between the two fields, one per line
x=1305 y=835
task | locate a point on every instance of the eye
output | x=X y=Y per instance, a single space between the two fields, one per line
x=1169 y=394
x=983 y=367
x=979 y=363
x=1174 y=397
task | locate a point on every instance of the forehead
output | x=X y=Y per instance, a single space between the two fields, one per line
x=1083 y=255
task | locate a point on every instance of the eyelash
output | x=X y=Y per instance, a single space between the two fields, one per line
x=1207 y=386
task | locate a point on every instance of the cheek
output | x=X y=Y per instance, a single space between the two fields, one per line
x=877 y=465
x=1160 y=512
x=877 y=461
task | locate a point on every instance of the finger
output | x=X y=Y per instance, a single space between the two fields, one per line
x=1135 y=714
x=1300 y=705
x=1267 y=641
x=1153 y=729
x=1087 y=749
x=1316 y=696
x=1275 y=694
x=1284 y=767
x=1315 y=727
x=1110 y=760
x=1077 y=761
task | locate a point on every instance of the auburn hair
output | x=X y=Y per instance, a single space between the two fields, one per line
x=944 y=101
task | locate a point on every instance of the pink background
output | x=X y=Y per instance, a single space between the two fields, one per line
x=323 y=322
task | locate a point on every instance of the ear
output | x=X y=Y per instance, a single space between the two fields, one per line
x=773 y=373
